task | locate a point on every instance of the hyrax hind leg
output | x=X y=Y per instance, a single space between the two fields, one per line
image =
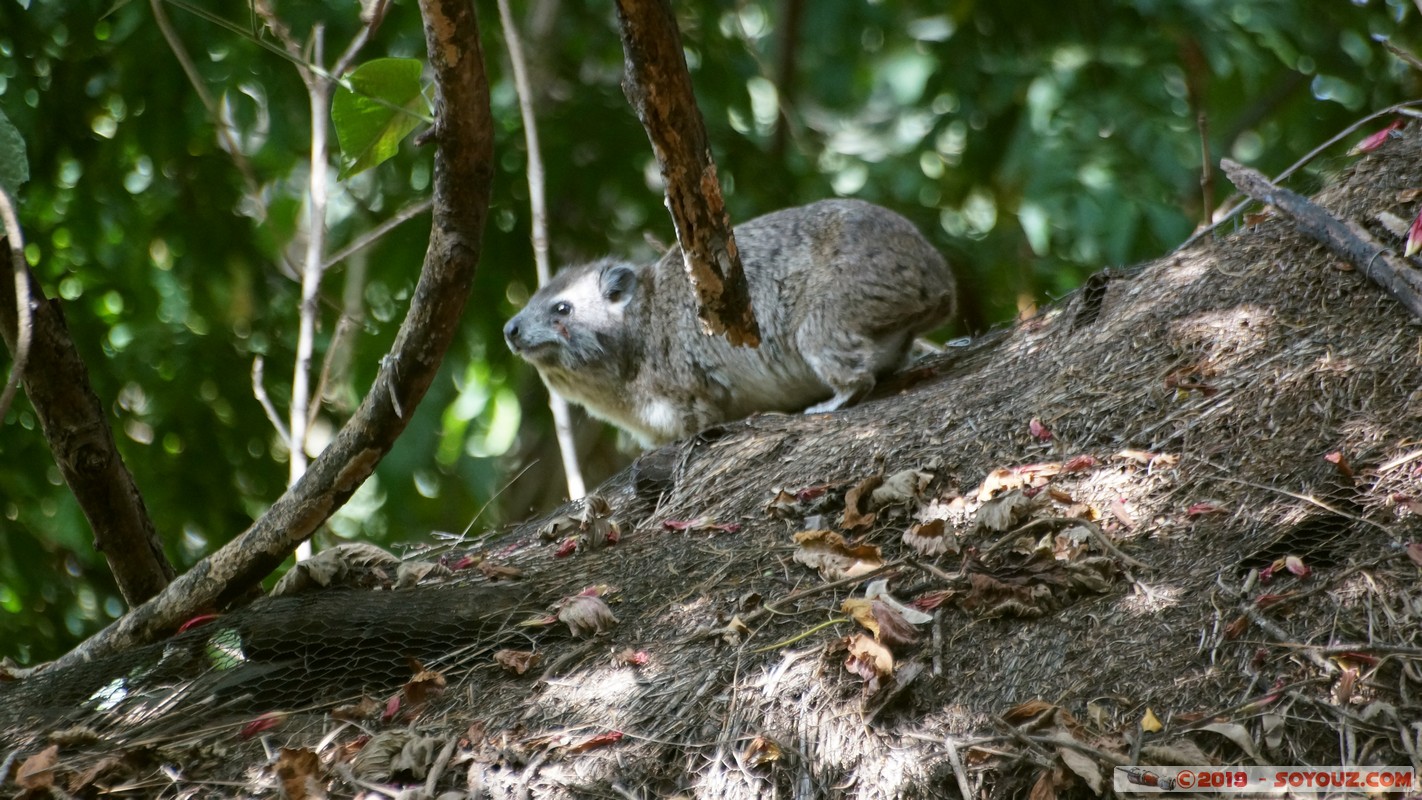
x=849 y=363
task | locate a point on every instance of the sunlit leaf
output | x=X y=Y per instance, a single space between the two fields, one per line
x=381 y=107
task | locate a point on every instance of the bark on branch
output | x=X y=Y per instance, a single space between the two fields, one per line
x=462 y=180
x=77 y=430
x=658 y=86
x=1344 y=237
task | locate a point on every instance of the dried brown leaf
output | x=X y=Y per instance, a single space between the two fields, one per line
x=1004 y=512
x=761 y=751
x=904 y=486
x=299 y=772
x=835 y=559
x=517 y=662
x=931 y=538
x=869 y=660
x=586 y=615
x=858 y=514
x=37 y=771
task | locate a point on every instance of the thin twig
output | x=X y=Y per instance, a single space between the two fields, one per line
x=375 y=234
x=1297 y=165
x=224 y=132
x=23 y=324
x=538 y=209
x=1406 y=55
x=259 y=389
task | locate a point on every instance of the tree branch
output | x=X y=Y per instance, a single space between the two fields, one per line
x=1345 y=238
x=24 y=326
x=658 y=86
x=462 y=178
x=538 y=211
x=77 y=430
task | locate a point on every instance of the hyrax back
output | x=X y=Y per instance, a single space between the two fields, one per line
x=839 y=288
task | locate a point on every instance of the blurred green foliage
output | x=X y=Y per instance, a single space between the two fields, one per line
x=1034 y=144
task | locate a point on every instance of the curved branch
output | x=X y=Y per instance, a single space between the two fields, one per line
x=77 y=431
x=462 y=178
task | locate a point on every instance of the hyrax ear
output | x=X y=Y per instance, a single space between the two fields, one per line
x=617 y=282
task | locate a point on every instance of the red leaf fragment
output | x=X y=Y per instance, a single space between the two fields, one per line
x=392 y=707
x=633 y=658
x=466 y=562
x=1121 y=512
x=265 y=722
x=197 y=622
x=1080 y=463
x=1414 y=237
x=600 y=740
x=1204 y=508
x=1414 y=552
x=1336 y=459
x=1296 y=565
x=809 y=493
x=567 y=548
x=1038 y=430
x=1375 y=140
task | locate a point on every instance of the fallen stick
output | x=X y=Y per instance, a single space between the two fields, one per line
x=1343 y=237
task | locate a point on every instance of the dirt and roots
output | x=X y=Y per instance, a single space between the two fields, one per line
x=1172 y=520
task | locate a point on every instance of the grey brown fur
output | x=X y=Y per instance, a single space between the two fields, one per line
x=839 y=288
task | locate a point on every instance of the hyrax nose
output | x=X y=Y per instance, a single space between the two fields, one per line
x=511 y=333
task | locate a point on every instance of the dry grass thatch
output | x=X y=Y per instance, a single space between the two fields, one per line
x=1186 y=492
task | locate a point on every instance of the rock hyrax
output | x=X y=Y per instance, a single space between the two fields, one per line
x=839 y=288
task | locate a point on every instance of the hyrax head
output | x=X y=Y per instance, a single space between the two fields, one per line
x=576 y=321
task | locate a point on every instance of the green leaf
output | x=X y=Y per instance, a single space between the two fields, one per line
x=385 y=105
x=14 y=164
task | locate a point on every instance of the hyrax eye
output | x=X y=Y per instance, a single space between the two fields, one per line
x=562 y=308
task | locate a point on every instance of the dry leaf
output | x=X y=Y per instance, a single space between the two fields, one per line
x=366 y=708
x=37 y=771
x=1084 y=766
x=410 y=573
x=1048 y=785
x=1121 y=512
x=827 y=552
x=558 y=527
x=353 y=565
x=299 y=772
x=1150 y=723
x=858 y=513
x=931 y=538
x=517 y=662
x=425 y=684
x=760 y=751
x=1022 y=713
x=904 y=486
x=586 y=615
x=706 y=524
x=869 y=660
x=1004 y=512
x=1029 y=475
x=600 y=740
x=496 y=572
